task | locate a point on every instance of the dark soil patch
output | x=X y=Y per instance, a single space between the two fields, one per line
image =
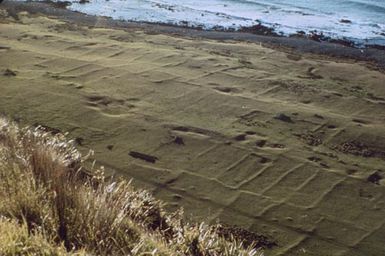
x=314 y=159
x=277 y=145
x=178 y=140
x=9 y=72
x=79 y=141
x=226 y=89
x=265 y=160
x=360 y=121
x=253 y=119
x=144 y=157
x=294 y=57
x=284 y=118
x=374 y=97
x=310 y=139
x=99 y=100
x=350 y=171
x=260 y=143
x=375 y=178
x=240 y=137
x=360 y=149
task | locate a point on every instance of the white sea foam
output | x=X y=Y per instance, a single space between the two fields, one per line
x=367 y=17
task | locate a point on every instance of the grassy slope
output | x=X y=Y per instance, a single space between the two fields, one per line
x=48 y=206
x=303 y=183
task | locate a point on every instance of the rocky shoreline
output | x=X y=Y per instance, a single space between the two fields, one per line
x=315 y=42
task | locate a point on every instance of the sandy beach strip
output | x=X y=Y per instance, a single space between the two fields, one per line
x=280 y=141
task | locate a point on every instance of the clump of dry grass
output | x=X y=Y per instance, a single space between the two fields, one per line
x=50 y=206
x=17 y=240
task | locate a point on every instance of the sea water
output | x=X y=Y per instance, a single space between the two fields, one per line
x=362 y=21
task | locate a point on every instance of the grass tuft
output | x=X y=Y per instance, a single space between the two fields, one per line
x=49 y=205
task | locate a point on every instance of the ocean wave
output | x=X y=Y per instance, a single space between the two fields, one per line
x=363 y=19
x=365 y=5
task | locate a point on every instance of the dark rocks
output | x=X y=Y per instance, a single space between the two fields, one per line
x=317 y=36
x=259 y=29
x=343 y=41
x=346 y=21
x=61 y=4
x=376 y=46
x=320 y=37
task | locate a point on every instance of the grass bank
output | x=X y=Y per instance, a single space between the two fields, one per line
x=50 y=205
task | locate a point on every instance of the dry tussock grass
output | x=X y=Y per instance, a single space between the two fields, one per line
x=49 y=206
